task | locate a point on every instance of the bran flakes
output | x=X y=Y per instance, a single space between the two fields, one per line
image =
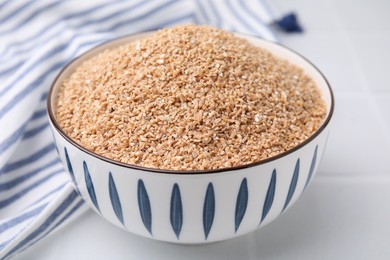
x=189 y=98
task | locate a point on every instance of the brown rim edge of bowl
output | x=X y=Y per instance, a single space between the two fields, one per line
x=184 y=172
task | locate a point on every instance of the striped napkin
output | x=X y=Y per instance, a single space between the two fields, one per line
x=37 y=39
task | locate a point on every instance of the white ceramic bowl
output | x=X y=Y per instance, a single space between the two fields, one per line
x=192 y=207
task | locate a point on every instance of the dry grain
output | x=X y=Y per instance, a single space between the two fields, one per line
x=189 y=98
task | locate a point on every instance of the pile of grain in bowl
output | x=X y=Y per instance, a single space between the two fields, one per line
x=189 y=98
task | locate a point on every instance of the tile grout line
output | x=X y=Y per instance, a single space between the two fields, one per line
x=354 y=177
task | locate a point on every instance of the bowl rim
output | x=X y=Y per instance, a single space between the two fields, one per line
x=56 y=125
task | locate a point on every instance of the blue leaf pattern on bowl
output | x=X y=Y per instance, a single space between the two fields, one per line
x=269 y=199
x=144 y=206
x=241 y=203
x=69 y=164
x=70 y=170
x=89 y=184
x=55 y=143
x=114 y=197
x=312 y=166
x=293 y=185
x=176 y=211
x=208 y=210
x=56 y=147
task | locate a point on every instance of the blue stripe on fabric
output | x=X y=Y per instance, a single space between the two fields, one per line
x=239 y=18
x=3 y=245
x=13 y=138
x=55 y=190
x=160 y=25
x=217 y=16
x=202 y=11
x=56 y=213
x=67 y=215
x=11 y=184
x=188 y=17
x=39 y=113
x=32 y=86
x=47 y=55
x=44 y=96
x=9 y=69
x=62 y=19
x=32 y=16
x=116 y=14
x=4 y=4
x=33 y=132
x=71 y=212
x=22 y=217
x=10 y=200
x=88 y=11
x=267 y=8
x=19 y=9
x=142 y=16
x=23 y=93
x=31 y=158
x=195 y=18
x=251 y=13
x=10 y=140
x=256 y=18
x=94 y=22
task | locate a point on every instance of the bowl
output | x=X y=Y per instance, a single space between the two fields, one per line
x=192 y=206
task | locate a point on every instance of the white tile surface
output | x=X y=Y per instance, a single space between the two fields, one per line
x=362 y=15
x=345 y=213
x=327 y=51
x=373 y=56
x=358 y=144
x=383 y=101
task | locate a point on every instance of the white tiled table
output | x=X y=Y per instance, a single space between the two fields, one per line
x=345 y=213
